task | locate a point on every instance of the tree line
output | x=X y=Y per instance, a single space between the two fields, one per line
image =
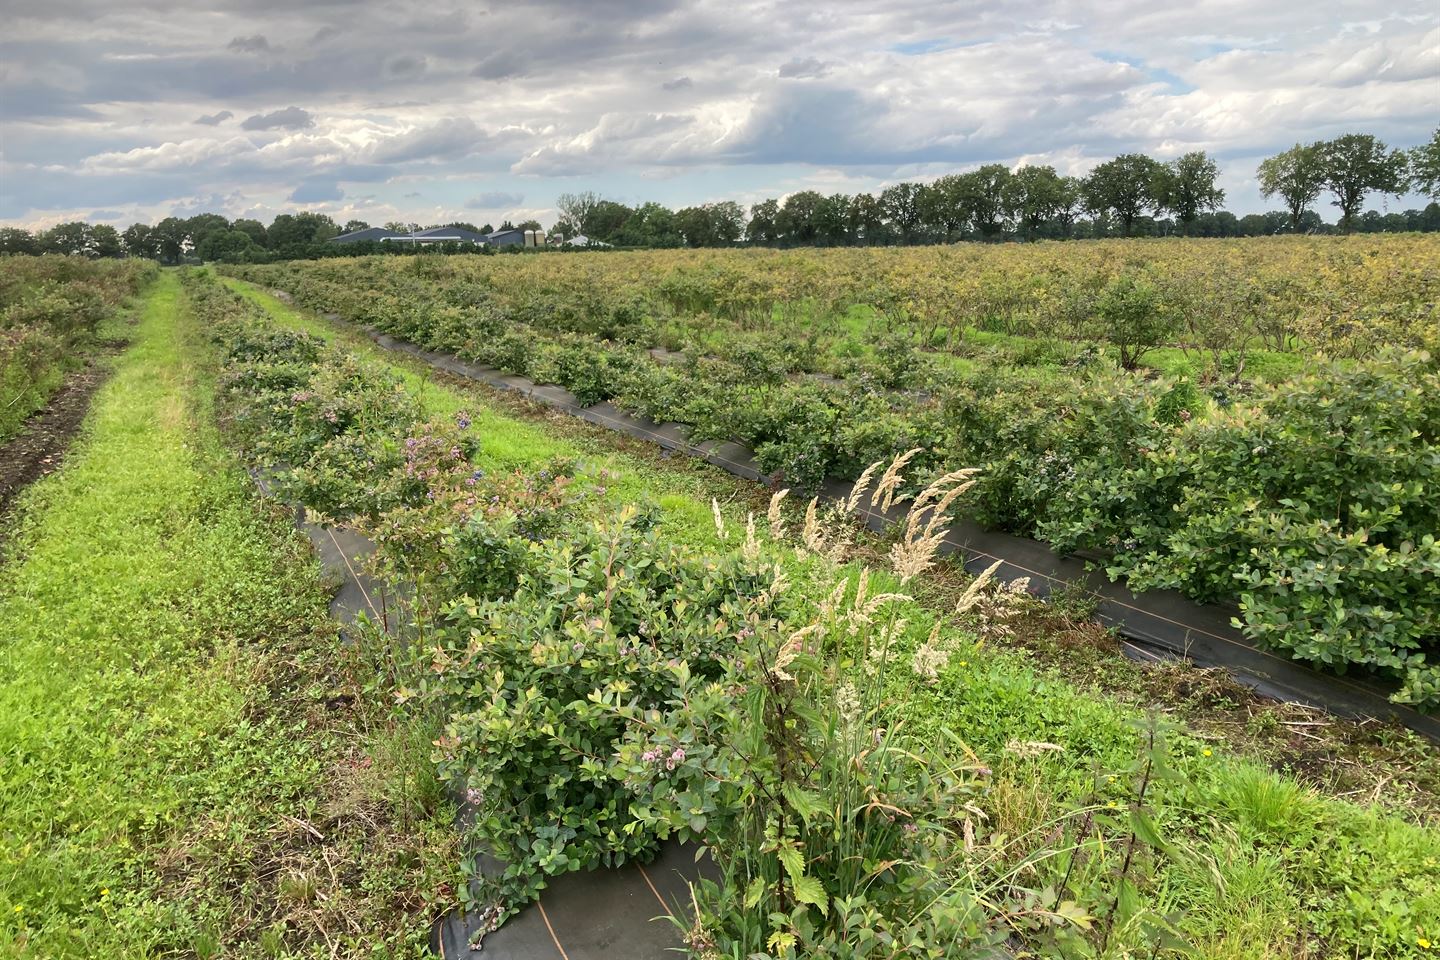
x=1131 y=195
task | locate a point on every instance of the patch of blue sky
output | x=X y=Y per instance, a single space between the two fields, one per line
x=915 y=48
x=1176 y=84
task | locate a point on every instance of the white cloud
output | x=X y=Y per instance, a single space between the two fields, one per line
x=686 y=95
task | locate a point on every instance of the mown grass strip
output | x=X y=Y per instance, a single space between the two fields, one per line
x=186 y=768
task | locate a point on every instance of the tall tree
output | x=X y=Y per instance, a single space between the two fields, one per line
x=798 y=221
x=1296 y=176
x=1034 y=196
x=1123 y=188
x=73 y=239
x=866 y=219
x=901 y=204
x=577 y=207
x=140 y=241
x=728 y=219
x=1357 y=164
x=761 y=228
x=255 y=230
x=15 y=240
x=105 y=241
x=942 y=206
x=1425 y=167
x=1186 y=187
x=983 y=194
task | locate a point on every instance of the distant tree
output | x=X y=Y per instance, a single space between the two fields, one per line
x=605 y=219
x=255 y=230
x=942 y=206
x=983 y=194
x=1296 y=176
x=75 y=239
x=105 y=241
x=711 y=224
x=797 y=222
x=522 y=225
x=487 y=229
x=1357 y=164
x=1186 y=187
x=1034 y=196
x=139 y=240
x=351 y=226
x=198 y=227
x=1069 y=200
x=171 y=239
x=648 y=225
x=761 y=228
x=728 y=218
x=400 y=226
x=301 y=229
x=506 y=225
x=577 y=207
x=15 y=240
x=866 y=219
x=227 y=246
x=1123 y=188
x=1425 y=167
x=901 y=204
x=563 y=229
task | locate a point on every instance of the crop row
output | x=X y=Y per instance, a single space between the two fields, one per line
x=1307 y=504
x=49 y=308
x=604 y=690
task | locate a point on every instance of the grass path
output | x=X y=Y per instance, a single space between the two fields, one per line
x=1299 y=874
x=165 y=751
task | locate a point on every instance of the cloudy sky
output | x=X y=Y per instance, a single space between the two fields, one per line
x=120 y=111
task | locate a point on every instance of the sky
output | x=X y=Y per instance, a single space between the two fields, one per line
x=117 y=112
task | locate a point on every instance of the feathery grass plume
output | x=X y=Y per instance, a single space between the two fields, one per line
x=931 y=656
x=972 y=593
x=811 y=534
x=880 y=641
x=720 y=530
x=831 y=604
x=777 y=521
x=862 y=485
x=793 y=646
x=751 y=550
x=886 y=490
x=779 y=583
x=924 y=531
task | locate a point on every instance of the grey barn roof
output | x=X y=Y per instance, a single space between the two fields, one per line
x=369 y=233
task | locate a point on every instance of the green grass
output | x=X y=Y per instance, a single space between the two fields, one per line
x=165 y=662
x=1271 y=868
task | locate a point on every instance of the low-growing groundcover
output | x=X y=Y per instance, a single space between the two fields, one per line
x=190 y=766
x=873 y=776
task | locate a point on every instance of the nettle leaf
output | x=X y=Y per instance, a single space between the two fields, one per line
x=811 y=890
x=791 y=859
x=805 y=802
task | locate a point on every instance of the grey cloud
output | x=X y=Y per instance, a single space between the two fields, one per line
x=449 y=139
x=406 y=65
x=252 y=44
x=494 y=199
x=317 y=191
x=808 y=67
x=323 y=34
x=500 y=66
x=679 y=83
x=214 y=119
x=290 y=118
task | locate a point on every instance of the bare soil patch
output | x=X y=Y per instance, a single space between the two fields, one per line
x=40 y=446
